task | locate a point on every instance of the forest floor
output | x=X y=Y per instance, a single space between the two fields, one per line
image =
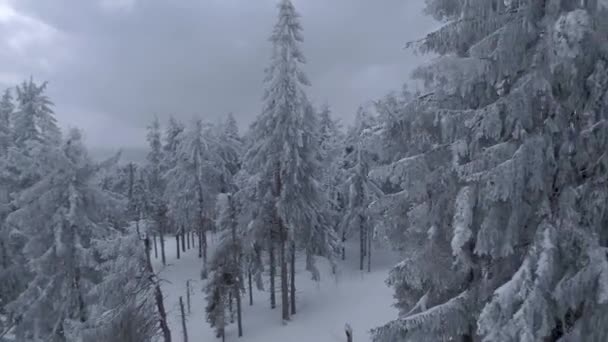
x=351 y=296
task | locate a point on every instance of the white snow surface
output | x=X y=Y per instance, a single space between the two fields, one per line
x=357 y=298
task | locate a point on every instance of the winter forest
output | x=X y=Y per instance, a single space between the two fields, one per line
x=472 y=208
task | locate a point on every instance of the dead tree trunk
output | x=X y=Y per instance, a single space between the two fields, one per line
x=181 y=308
x=158 y=296
x=292 y=290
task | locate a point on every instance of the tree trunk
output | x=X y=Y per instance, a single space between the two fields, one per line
x=284 y=280
x=230 y=308
x=362 y=243
x=3 y=255
x=239 y=314
x=344 y=245
x=369 y=251
x=81 y=306
x=155 y=248
x=177 y=244
x=250 y=287
x=188 y=240
x=272 y=261
x=158 y=297
x=237 y=263
x=204 y=242
x=161 y=230
x=349 y=333
x=200 y=243
x=188 y=295
x=183 y=240
x=181 y=308
x=292 y=290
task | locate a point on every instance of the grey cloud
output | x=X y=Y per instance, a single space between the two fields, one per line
x=120 y=65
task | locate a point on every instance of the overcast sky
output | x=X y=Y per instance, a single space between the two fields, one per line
x=114 y=64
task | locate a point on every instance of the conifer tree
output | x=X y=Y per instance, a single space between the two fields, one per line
x=503 y=236
x=34 y=119
x=194 y=179
x=226 y=267
x=61 y=216
x=156 y=185
x=284 y=151
x=6 y=113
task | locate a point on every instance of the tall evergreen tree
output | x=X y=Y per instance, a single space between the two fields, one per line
x=156 y=185
x=230 y=146
x=504 y=237
x=6 y=113
x=61 y=217
x=34 y=119
x=193 y=181
x=284 y=149
x=227 y=268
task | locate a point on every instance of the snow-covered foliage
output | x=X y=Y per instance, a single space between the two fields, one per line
x=284 y=145
x=124 y=308
x=496 y=208
x=6 y=113
x=226 y=281
x=197 y=175
x=33 y=119
x=61 y=217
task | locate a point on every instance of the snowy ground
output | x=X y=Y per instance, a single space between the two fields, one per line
x=359 y=298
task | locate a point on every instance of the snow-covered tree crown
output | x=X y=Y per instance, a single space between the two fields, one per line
x=34 y=120
x=503 y=150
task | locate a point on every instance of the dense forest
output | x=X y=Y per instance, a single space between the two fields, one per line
x=490 y=183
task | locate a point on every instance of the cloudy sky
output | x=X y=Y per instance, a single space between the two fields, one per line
x=114 y=64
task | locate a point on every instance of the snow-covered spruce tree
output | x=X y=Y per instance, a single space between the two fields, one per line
x=283 y=152
x=125 y=308
x=34 y=133
x=11 y=279
x=173 y=130
x=230 y=146
x=360 y=194
x=357 y=190
x=34 y=119
x=506 y=177
x=393 y=142
x=6 y=113
x=155 y=186
x=331 y=142
x=193 y=181
x=29 y=157
x=253 y=220
x=226 y=283
x=61 y=216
